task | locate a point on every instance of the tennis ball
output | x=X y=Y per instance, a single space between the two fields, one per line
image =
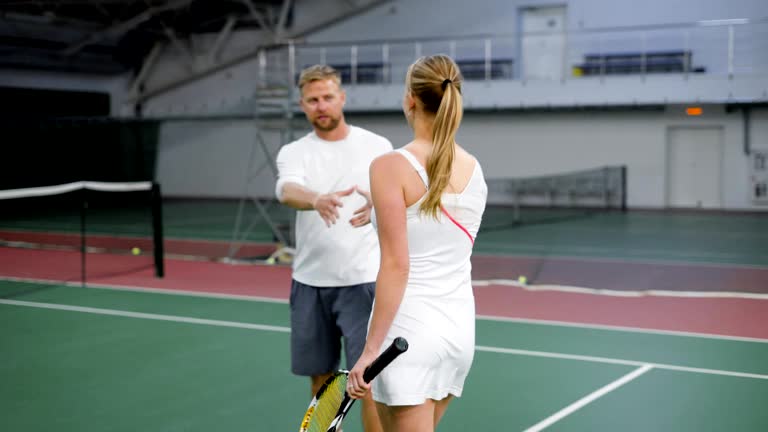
x=271 y=260
x=523 y=280
x=135 y=251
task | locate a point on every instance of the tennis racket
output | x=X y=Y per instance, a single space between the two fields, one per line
x=332 y=403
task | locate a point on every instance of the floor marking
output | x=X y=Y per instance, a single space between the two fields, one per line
x=570 y=409
x=282 y=329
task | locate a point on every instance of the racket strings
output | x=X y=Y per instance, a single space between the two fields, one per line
x=328 y=404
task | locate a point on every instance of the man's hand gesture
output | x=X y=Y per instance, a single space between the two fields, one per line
x=363 y=214
x=327 y=205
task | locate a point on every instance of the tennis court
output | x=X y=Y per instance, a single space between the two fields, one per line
x=601 y=338
x=620 y=272
x=101 y=359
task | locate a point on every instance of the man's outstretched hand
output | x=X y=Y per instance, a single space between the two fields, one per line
x=327 y=205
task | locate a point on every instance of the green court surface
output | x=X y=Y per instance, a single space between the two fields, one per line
x=90 y=359
x=727 y=238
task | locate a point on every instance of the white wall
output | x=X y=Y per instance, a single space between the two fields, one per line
x=404 y=19
x=228 y=91
x=524 y=144
x=620 y=13
x=192 y=56
x=211 y=158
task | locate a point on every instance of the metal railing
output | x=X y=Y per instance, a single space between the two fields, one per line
x=726 y=49
x=720 y=48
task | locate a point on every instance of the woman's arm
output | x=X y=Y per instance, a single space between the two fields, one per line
x=386 y=173
x=389 y=205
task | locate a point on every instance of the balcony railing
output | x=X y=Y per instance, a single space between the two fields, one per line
x=717 y=48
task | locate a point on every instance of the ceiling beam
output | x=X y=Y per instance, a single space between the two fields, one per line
x=149 y=63
x=99 y=7
x=345 y=15
x=123 y=27
x=280 y=26
x=181 y=46
x=251 y=54
x=221 y=38
x=258 y=16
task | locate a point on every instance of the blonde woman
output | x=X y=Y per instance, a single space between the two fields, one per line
x=428 y=198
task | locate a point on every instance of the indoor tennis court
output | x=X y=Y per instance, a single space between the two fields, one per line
x=206 y=347
x=620 y=270
x=131 y=359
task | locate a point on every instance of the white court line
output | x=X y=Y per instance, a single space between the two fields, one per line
x=190 y=293
x=570 y=409
x=587 y=253
x=190 y=320
x=137 y=289
x=593 y=359
x=202 y=294
x=621 y=293
x=148 y=316
x=619 y=328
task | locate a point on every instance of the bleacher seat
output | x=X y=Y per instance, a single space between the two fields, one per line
x=367 y=73
x=375 y=72
x=627 y=63
x=475 y=69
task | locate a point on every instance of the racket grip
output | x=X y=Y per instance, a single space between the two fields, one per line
x=398 y=346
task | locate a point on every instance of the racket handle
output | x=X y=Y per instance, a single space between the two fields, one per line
x=398 y=346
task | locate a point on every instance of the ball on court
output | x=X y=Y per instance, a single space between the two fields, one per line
x=135 y=251
x=523 y=280
x=271 y=260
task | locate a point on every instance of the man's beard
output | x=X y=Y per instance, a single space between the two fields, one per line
x=331 y=124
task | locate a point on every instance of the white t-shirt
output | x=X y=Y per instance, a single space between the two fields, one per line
x=340 y=255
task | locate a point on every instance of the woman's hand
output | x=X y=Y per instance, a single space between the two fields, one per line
x=356 y=385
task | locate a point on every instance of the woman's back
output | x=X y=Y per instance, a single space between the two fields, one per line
x=440 y=249
x=426 y=233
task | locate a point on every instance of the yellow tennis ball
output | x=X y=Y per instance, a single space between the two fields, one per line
x=135 y=251
x=271 y=260
x=523 y=280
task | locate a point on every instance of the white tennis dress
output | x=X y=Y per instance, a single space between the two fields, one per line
x=437 y=314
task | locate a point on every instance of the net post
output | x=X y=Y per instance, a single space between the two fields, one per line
x=623 y=188
x=157 y=230
x=607 y=187
x=83 y=246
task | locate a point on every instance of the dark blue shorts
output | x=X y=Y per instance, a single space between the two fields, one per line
x=320 y=318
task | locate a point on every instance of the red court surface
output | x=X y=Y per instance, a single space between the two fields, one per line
x=735 y=315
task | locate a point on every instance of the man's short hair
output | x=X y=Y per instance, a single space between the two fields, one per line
x=319 y=73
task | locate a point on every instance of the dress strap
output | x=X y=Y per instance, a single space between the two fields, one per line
x=460 y=226
x=416 y=165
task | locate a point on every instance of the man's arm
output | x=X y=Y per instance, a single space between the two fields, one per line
x=297 y=196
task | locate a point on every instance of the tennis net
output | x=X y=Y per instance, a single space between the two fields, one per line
x=545 y=199
x=81 y=230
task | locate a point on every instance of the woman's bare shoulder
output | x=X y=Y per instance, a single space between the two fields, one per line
x=391 y=162
x=463 y=156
